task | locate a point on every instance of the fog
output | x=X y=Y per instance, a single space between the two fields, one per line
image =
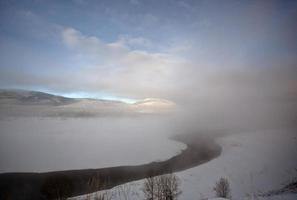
x=53 y=144
x=217 y=102
x=226 y=70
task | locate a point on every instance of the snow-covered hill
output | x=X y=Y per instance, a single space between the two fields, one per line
x=23 y=97
x=20 y=103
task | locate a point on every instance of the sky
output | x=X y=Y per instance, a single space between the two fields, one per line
x=184 y=51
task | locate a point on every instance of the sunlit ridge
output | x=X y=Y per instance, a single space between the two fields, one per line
x=99 y=96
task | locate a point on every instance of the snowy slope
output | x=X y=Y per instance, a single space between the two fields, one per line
x=24 y=97
x=253 y=162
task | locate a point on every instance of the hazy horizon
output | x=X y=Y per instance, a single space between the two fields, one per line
x=234 y=58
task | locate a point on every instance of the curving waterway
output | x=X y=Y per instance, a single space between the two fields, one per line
x=63 y=184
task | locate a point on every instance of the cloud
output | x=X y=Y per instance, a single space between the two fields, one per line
x=123 y=70
x=71 y=37
x=234 y=61
x=136 y=42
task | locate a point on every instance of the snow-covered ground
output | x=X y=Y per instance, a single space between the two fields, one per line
x=50 y=144
x=253 y=162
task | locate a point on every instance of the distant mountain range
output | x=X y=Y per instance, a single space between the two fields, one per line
x=32 y=103
x=32 y=98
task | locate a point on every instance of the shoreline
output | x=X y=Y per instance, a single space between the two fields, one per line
x=71 y=183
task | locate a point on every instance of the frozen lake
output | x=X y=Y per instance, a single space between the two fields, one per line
x=50 y=144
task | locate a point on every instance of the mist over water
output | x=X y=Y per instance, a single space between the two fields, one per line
x=52 y=144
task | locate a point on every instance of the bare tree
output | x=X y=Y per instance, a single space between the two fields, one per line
x=165 y=187
x=149 y=188
x=170 y=187
x=222 y=188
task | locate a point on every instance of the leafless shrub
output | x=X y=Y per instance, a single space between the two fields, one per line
x=170 y=187
x=165 y=187
x=149 y=188
x=222 y=188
